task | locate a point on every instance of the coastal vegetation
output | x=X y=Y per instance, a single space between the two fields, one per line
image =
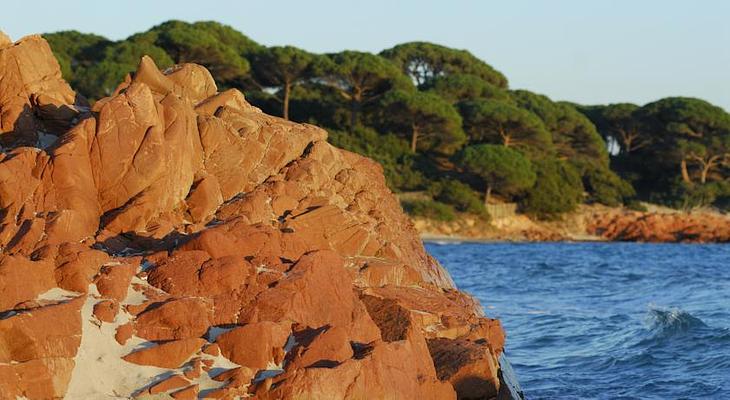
x=444 y=123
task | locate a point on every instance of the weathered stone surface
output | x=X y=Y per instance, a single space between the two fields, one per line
x=175 y=214
x=37 y=350
x=254 y=345
x=469 y=366
x=176 y=319
x=166 y=355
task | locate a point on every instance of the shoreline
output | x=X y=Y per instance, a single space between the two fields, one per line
x=588 y=224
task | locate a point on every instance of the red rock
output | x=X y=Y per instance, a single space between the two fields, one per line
x=76 y=267
x=469 y=366
x=195 y=370
x=188 y=393
x=305 y=296
x=253 y=345
x=176 y=319
x=106 y=310
x=23 y=280
x=633 y=226
x=113 y=280
x=37 y=350
x=324 y=346
x=124 y=332
x=204 y=198
x=173 y=382
x=241 y=219
x=212 y=349
x=166 y=355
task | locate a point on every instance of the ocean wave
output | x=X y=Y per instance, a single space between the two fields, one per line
x=672 y=321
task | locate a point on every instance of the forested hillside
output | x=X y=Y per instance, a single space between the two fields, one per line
x=444 y=122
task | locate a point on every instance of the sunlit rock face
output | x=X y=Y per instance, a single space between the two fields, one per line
x=174 y=239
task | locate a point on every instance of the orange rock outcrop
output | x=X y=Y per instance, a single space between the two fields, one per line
x=174 y=239
x=635 y=226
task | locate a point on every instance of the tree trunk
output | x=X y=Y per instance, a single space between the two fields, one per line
x=487 y=194
x=354 y=106
x=685 y=173
x=705 y=170
x=287 y=92
x=414 y=138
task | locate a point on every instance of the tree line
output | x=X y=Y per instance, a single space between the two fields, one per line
x=443 y=122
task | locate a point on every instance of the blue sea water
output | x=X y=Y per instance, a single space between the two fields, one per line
x=605 y=320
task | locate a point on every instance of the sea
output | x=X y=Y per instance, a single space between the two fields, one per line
x=605 y=320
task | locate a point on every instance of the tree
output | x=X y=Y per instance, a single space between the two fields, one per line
x=423 y=62
x=74 y=49
x=218 y=47
x=690 y=134
x=360 y=78
x=500 y=167
x=101 y=78
x=460 y=87
x=606 y=187
x=574 y=136
x=619 y=124
x=283 y=67
x=557 y=189
x=431 y=122
x=491 y=121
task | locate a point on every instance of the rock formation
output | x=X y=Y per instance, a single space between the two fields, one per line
x=635 y=226
x=174 y=241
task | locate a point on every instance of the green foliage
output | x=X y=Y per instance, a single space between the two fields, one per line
x=390 y=151
x=423 y=62
x=496 y=122
x=431 y=123
x=605 y=187
x=687 y=196
x=360 y=78
x=283 y=67
x=573 y=135
x=429 y=209
x=74 y=49
x=501 y=168
x=218 y=47
x=557 y=190
x=675 y=151
x=460 y=87
x=689 y=139
x=101 y=78
x=459 y=195
x=618 y=123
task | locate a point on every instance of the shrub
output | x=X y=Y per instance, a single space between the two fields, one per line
x=687 y=196
x=605 y=187
x=429 y=209
x=459 y=195
x=558 y=189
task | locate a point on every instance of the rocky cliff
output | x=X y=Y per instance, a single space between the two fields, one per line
x=174 y=241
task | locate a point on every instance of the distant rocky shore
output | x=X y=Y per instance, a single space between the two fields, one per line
x=588 y=223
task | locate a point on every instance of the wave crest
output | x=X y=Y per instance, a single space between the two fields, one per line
x=672 y=321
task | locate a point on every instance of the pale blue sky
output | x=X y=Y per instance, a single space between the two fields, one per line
x=579 y=50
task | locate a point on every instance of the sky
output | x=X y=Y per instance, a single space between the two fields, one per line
x=586 y=51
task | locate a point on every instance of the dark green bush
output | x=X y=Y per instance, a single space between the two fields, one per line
x=605 y=187
x=686 y=196
x=558 y=189
x=429 y=209
x=461 y=196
